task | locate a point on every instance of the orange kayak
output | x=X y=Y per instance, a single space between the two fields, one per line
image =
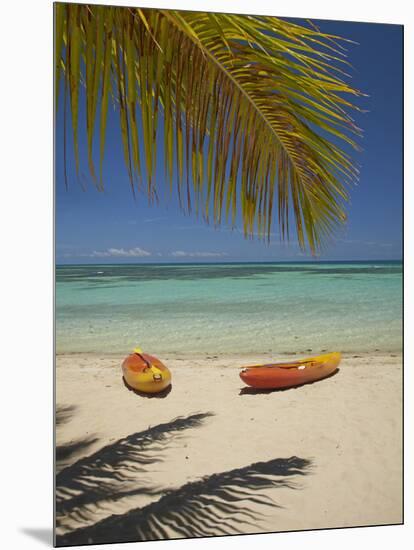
x=145 y=373
x=294 y=373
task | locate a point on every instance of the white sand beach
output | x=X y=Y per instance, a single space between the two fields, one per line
x=346 y=432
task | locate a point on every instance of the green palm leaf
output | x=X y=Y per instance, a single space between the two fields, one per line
x=250 y=105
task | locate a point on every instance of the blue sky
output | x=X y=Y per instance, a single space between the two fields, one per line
x=93 y=227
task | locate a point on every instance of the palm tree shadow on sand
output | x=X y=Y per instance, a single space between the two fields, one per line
x=63 y=414
x=115 y=471
x=219 y=504
x=66 y=452
x=255 y=391
x=160 y=395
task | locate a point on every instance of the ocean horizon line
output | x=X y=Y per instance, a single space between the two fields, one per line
x=235 y=262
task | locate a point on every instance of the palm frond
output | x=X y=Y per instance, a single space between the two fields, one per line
x=220 y=504
x=250 y=106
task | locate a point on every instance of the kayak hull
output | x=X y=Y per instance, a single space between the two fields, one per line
x=295 y=373
x=145 y=373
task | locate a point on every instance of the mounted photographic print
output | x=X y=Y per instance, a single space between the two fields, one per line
x=228 y=202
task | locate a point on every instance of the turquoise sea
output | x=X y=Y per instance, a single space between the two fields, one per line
x=229 y=308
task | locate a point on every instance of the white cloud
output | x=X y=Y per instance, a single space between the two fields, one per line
x=121 y=253
x=182 y=254
x=364 y=243
x=154 y=220
x=254 y=234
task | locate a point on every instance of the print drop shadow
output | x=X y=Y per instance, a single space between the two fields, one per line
x=160 y=395
x=247 y=390
x=219 y=504
x=110 y=473
x=44 y=535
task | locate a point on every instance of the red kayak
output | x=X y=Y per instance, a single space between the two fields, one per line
x=294 y=373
